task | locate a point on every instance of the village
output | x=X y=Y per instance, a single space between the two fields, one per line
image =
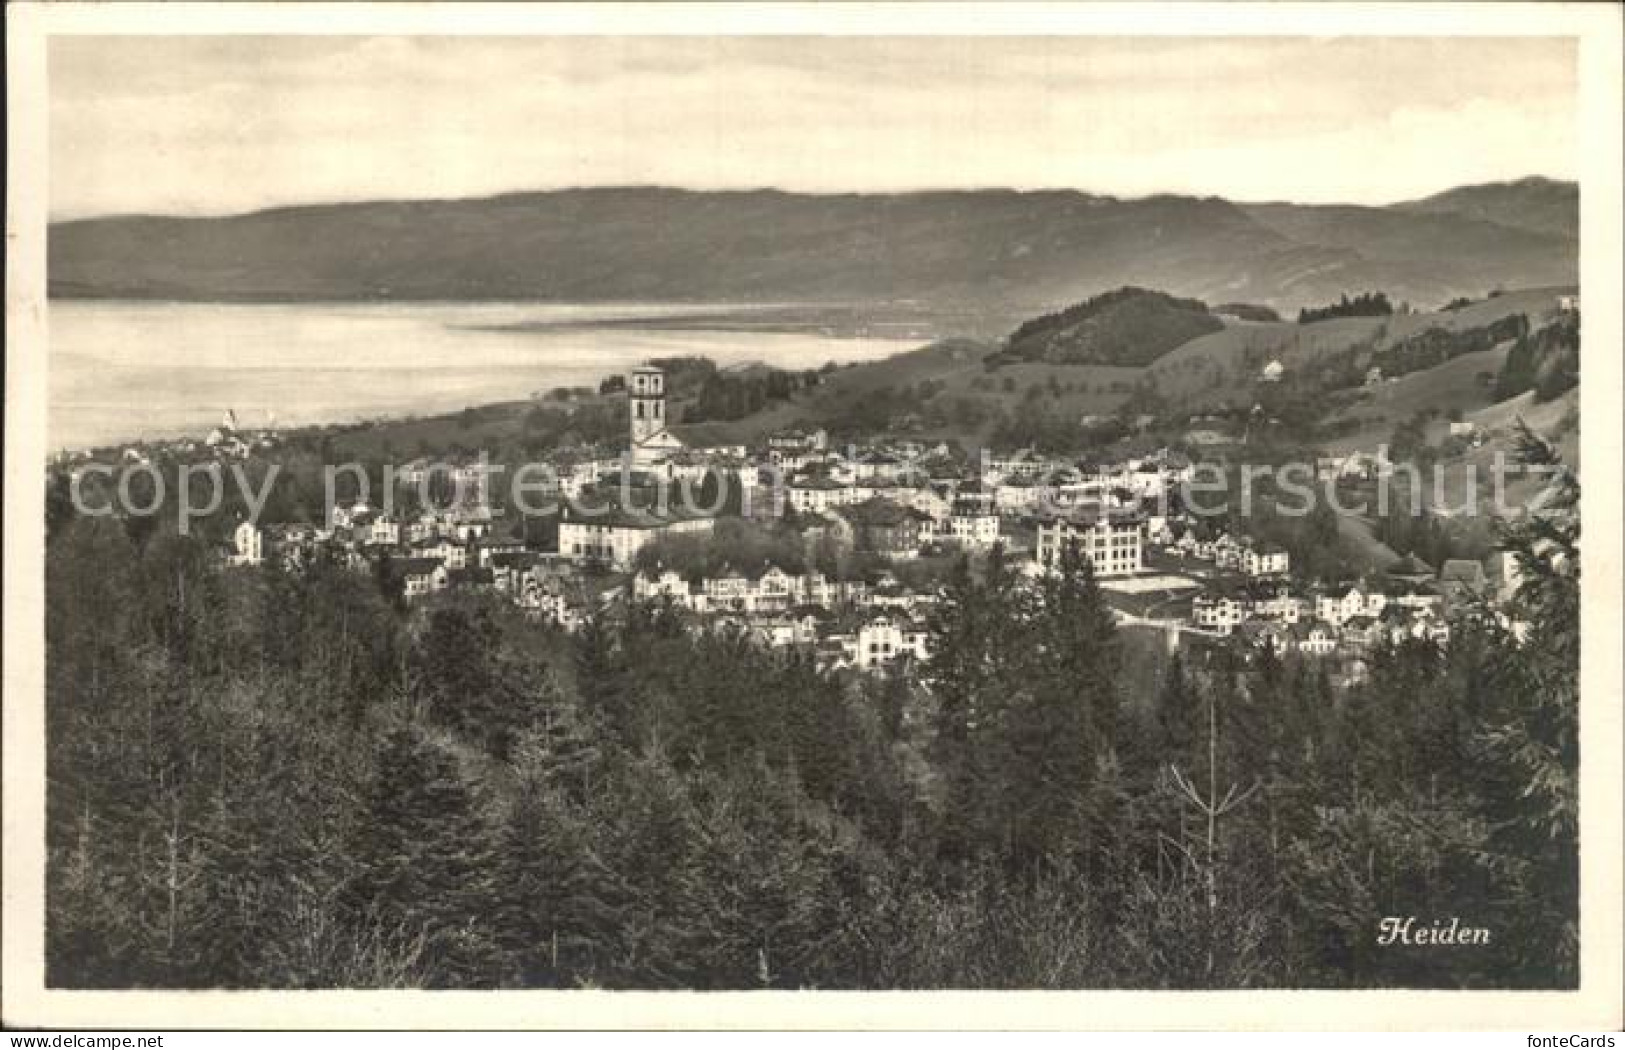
x=871 y=522
x=939 y=517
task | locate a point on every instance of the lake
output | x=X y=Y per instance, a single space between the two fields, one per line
x=121 y=371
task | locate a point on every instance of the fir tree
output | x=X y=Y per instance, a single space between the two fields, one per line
x=1065 y=722
x=602 y=678
x=425 y=859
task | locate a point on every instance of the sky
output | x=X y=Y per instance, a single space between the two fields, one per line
x=223 y=124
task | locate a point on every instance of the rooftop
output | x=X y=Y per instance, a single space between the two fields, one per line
x=1462 y=570
x=1410 y=565
x=879 y=511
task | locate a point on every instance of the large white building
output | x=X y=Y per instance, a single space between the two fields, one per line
x=814 y=494
x=1111 y=542
x=616 y=535
x=771 y=591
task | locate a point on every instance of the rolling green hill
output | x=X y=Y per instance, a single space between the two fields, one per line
x=1129 y=326
x=1462 y=384
x=1222 y=368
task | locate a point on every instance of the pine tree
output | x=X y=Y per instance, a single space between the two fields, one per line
x=1530 y=732
x=602 y=677
x=460 y=675
x=555 y=900
x=391 y=584
x=1517 y=371
x=1064 y=723
x=973 y=629
x=426 y=860
x=1177 y=714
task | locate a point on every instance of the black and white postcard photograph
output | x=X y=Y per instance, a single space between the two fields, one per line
x=587 y=516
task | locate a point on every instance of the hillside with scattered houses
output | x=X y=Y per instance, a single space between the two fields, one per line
x=977 y=393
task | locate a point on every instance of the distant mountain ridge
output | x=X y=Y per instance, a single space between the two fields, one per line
x=1538 y=204
x=995 y=247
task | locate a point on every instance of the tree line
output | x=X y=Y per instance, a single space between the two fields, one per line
x=1366 y=304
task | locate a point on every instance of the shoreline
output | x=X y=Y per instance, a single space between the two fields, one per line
x=731 y=323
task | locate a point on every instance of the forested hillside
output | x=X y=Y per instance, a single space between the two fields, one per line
x=1129 y=326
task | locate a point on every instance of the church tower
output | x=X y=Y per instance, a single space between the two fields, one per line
x=647 y=394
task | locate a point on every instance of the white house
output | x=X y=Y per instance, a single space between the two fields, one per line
x=344 y=516
x=1316 y=638
x=1361 y=631
x=467 y=531
x=1228 y=551
x=1341 y=603
x=249 y=544
x=776 y=589
x=970 y=519
x=730 y=591
x=1338 y=604
x=885 y=638
x=664 y=584
x=386 y=531
x=818 y=493
x=799 y=440
x=974 y=530
x=509 y=569
x=1018 y=495
x=1278 y=604
x=444 y=549
x=776 y=632
x=1265 y=560
x=1218 y=612
x=997 y=466
x=926 y=499
x=421 y=576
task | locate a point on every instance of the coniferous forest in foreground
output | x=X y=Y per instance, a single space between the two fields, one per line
x=262 y=778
